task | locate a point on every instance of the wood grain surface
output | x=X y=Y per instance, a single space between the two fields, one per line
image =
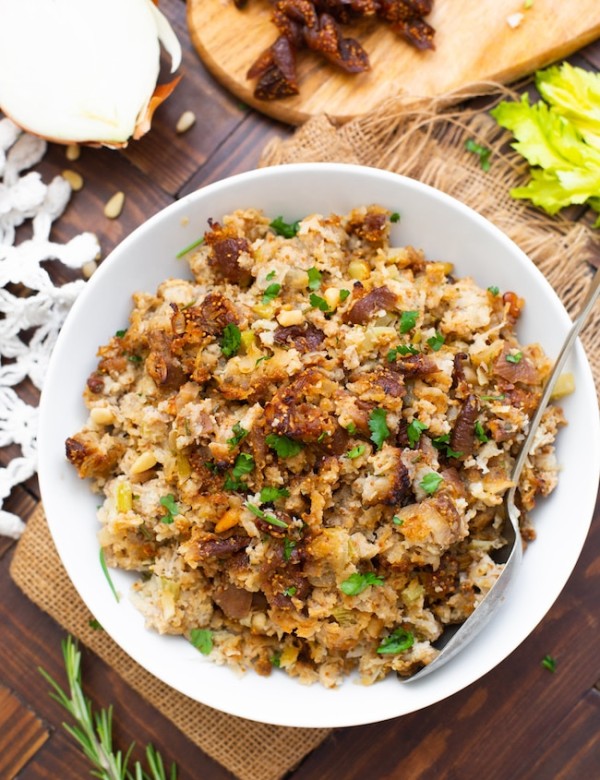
x=474 y=42
x=519 y=722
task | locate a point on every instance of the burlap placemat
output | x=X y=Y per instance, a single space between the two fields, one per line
x=425 y=141
x=251 y=751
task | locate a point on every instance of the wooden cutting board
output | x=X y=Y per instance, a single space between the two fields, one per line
x=474 y=43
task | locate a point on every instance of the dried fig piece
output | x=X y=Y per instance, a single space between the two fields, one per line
x=346 y=53
x=276 y=71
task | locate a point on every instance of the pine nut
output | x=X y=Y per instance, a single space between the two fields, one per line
x=100 y=415
x=291 y=317
x=332 y=296
x=185 y=121
x=87 y=269
x=143 y=462
x=359 y=269
x=75 y=179
x=72 y=152
x=115 y=205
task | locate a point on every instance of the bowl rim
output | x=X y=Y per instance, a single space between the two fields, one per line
x=170 y=213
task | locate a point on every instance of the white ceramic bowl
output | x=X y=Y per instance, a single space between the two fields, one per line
x=446 y=230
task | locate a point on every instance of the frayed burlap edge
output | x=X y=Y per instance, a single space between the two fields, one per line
x=251 y=751
x=426 y=141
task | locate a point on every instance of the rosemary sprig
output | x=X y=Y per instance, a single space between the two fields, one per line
x=93 y=730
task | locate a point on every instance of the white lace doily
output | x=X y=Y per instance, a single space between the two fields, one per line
x=30 y=318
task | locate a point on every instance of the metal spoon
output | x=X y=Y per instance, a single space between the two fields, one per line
x=456 y=638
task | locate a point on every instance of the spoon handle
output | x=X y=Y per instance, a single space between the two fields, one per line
x=586 y=308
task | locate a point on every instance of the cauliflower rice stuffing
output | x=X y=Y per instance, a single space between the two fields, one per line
x=304 y=450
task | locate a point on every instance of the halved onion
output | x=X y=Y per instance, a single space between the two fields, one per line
x=84 y=70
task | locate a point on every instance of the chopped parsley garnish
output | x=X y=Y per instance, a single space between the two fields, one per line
x=231 y=341
x=480 y=433
x=436 y=342
x=244 y=464
x=266 y=517
x=264 y=357
x=144 y=531
x=271 y=275
x=172 y=509
x=344 y=294
x=255 y=510
x=107 y=575
x=378 y=427
x=276 y=660
x=516 y=358
x=271 y=292
x=356 y=452
x=269 y=494
x=395 y=217
x=275 y=521
x=234 y=484
x=408 y=320
x=431 y=482
x=500 y=397
x=323 y=436
x=397 y=521
x=414 y=431
x=403 y=349
x=443 y=443
x=189 y=247
x=358 y=582
x=211 y=466
x=319 y=303
x=397 y=642
x=288 y=547
x=120 y=333
x=239 y=434
x=549 y=663
x=94 y=625
x=493 y=290
x=231 y=483
x=351 y=428
x=481 y=151
x=139 y=358
x=290 y=591
x=202 y=640
x=285 y=229
x=283 y=445
x=314 y=278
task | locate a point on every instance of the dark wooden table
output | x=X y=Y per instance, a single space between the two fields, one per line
x=519 y=722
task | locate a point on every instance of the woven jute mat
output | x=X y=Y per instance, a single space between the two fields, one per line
x=426 y=141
